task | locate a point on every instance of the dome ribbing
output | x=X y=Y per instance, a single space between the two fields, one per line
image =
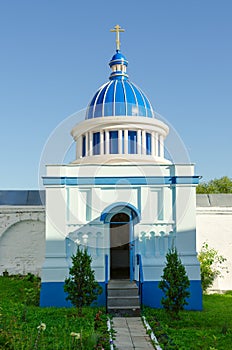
x=119 y=96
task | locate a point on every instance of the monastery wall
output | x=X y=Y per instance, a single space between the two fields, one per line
x=214 y=226
x=22 y=235
x=22 y=239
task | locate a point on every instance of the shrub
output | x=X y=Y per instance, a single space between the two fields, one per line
x=211 y=265
x=174 y=284
x=81 y=286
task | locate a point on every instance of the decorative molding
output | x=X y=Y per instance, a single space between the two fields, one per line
x=132 y=180
x=214 y=210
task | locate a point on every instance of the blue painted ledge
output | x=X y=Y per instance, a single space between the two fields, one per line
x=152 y=295
x=52 y=294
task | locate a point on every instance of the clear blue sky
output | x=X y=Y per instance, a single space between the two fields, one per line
x=55 y=54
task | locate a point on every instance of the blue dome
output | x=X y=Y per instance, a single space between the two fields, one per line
x=118 y=58
x=119 y=97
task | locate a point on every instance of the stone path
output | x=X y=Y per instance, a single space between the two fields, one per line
x=131 y=334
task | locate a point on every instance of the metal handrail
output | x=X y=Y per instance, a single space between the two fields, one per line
x=106 y=279
x=141 y=280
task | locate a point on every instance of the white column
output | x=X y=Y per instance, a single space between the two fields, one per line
x=153 y=144
x=79 y=147
x=157 y=144
x=90 y=143
x=107 y=142
x=101 y=143
x=87 y=144
x=139 y=141
x=126 y=141
x=120 y=141
x=161 y=146
x=144 y=142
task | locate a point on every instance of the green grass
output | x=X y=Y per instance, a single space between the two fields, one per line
x=209 y=329
x=20 y=316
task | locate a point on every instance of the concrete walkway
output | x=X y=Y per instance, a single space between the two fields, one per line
x=131 y=334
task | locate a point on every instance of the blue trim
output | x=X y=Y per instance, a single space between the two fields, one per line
x=141 y=280
x=106 y=269
x=139 y=199
x=113 y=208
x=129 y=180
x=52 y=294
x=132 y=252
x=106 y=280
x=152 y=295
x=178 y=180
x=48 y=180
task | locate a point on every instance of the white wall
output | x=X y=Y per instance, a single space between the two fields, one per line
x=22 y=238
x=214 y=226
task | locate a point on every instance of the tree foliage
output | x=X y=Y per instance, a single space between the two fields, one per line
x=211 y=265
x=81 y=286
x=174 y=284
x=222 y=185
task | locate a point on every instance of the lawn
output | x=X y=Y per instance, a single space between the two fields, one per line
x=20 y=317
x=23 y=322
x=209 y=329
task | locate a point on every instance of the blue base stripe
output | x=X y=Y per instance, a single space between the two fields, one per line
x=52 y=294
x=152 y=295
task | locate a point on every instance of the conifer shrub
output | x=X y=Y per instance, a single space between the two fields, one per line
x=174 y=284
x=81 y=286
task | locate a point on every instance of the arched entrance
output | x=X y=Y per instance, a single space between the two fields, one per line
x=120 y=246
x=121 y=218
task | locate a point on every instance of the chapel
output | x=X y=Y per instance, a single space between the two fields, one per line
x=122 y=198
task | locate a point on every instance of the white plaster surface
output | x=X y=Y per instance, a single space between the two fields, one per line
x=214 y=226
x=22 y=238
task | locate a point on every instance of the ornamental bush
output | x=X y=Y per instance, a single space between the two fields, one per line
x=211 y=265
x=81 y=286
x=174 y=284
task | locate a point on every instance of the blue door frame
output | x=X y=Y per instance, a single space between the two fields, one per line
x=134 y=218
x=132 y=251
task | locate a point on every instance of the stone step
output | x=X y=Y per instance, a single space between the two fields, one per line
x=121 y=284
x=123 y=301
x=122 y=292
x=123 y=298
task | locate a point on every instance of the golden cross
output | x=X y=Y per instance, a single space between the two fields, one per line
x=117 y=29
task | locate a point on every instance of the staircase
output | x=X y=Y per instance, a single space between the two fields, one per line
x=123 y=298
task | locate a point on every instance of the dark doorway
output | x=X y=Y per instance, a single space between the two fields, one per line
x=120 y=246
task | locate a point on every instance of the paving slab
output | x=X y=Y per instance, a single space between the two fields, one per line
x=131 y=334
